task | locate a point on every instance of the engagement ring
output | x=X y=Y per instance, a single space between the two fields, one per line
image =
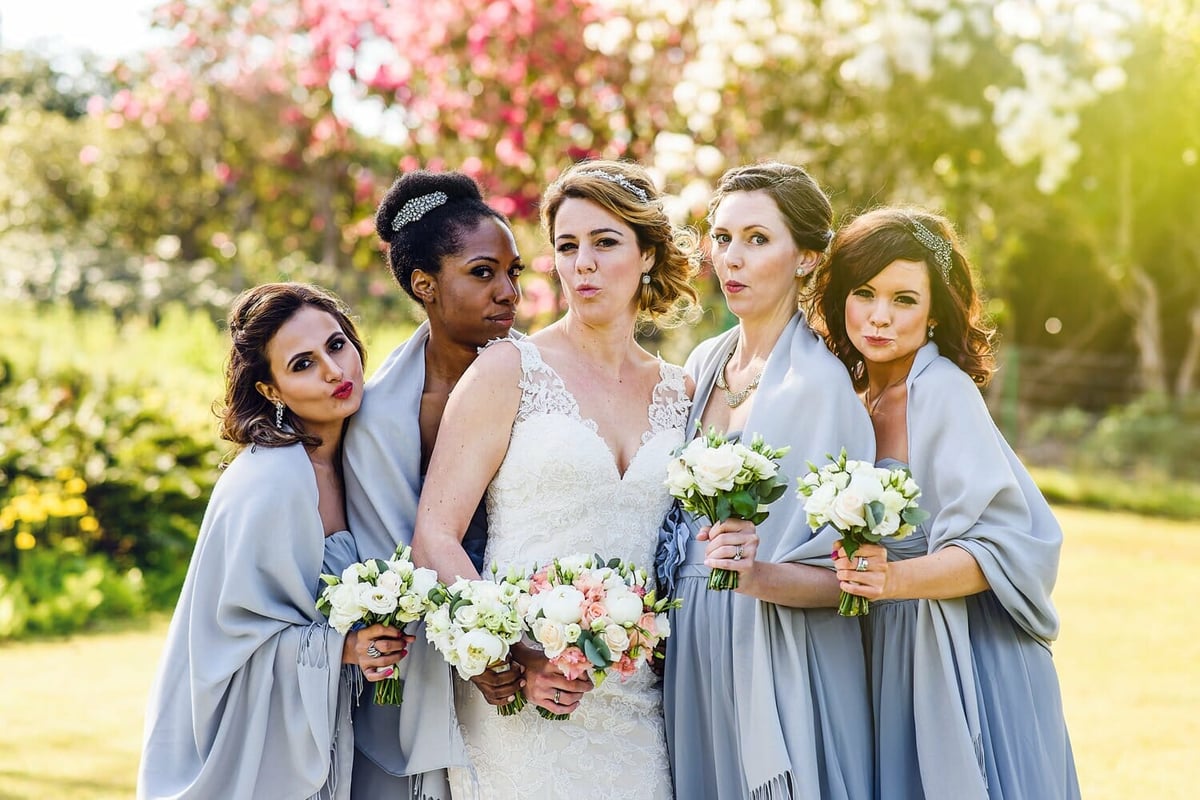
x=862 y=564
x=737 y=554
x=372 y=650
x=558 y=697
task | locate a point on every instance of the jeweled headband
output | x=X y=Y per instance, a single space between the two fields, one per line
x=937 y=245
x=418 y=207
x=620 y=180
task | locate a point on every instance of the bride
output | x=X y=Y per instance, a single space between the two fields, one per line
x=568 y=432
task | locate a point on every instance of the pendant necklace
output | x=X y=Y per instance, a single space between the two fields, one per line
x=871 y=407
x=735 y=399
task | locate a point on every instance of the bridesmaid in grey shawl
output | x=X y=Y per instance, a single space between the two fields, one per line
x=765 y=692
x=455 y=256
x=966 y=698
x=249 y=700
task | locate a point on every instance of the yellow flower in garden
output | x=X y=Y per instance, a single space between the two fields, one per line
x=74 y=507
x=8 y=518
x=75 y=486
x=89 y=524
x=25 y=540
x=64 y=473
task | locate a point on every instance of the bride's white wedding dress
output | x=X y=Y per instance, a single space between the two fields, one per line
x=558 y=491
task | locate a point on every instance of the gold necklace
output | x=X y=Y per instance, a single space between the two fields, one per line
x=871 y=407
x=735 y=399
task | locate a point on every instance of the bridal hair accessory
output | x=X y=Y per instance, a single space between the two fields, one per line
x=418 y=207
x=646 y=278
x=278 y=414
x=935 y=244
x=620 y=180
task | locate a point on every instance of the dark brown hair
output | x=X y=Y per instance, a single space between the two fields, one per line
x=669 y=298
x=804 y=207
x=248 y=418
x=863 y=248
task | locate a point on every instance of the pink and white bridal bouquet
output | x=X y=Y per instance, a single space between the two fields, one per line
x=593 y=616
x=390 y=592
x=719 y=479
x=865 y=503
x=476 y=622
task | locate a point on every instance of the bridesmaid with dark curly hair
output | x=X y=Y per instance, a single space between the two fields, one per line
x=965 y=694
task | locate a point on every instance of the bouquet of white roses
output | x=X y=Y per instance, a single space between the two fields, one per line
x=865 y=503
x=719 y=479
x=476 y=622
x=391 y=592
x=591 y=616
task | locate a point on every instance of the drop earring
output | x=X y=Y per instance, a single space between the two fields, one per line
x=278 y=414
x=930 y=331
x=645 y=278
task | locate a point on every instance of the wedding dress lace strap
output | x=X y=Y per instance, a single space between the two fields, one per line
x=669 y=403
x=542 y=389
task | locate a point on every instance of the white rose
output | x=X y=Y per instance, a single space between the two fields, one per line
x=690 y=455
x=402 y=568
x=572 y=632
x=847 y=511
x=716 y=469
x=866 y=484
x=475 y=650
x=679 y=478
x=617 y=639
x=911 y=490
x=839 y=479
x=821 y=500
x=376 y=599
x=893 y=501
x=437 y=622
x=663 y=623
x=341 y=620
x=467 y=615
x=552 y=636
x=755 y=465
x=888 y=526
x=390 y=581
x=563 y=604
x=624 y=607
x=411 y=607
x=354 y=573
x=423 y=582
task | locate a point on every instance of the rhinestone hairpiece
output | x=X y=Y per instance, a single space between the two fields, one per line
x=418 y=207
x=937 y=245
x=620 y=180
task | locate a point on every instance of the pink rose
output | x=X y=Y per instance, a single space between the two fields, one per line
x=572 y=663
x=592 y=612
x=649 y=624
x=624 y=666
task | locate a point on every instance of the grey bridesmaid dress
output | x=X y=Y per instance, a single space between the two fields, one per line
x=1025 y=748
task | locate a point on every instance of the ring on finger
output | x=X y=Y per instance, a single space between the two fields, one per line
x=862 y=564
x=372 y=650
x=558 y=697
x=737 y=554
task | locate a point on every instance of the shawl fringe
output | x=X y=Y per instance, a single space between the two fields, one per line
x=778 y=788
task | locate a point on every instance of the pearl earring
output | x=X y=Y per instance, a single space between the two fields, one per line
x=645 y=278
x=278 y=414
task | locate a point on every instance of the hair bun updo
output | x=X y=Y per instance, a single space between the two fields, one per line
x=431 y=228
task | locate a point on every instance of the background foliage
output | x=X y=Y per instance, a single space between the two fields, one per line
x=1060 y=136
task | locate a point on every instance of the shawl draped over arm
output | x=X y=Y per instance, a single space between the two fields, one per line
x=382 y=458
x=805 y=399
x=245 y=699
x=983 y=500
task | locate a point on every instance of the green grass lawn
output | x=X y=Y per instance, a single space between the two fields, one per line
x=1129 y=659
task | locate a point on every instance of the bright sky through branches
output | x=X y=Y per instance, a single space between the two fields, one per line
x=52 y=27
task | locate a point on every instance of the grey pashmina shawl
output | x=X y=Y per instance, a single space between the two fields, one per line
x=245 y=703
x=382 y=458
x=983 y=500
x=805 y=399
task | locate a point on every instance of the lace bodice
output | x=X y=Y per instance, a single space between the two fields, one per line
x=559 y=491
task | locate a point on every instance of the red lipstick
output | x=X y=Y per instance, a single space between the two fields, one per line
x=344 y=390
